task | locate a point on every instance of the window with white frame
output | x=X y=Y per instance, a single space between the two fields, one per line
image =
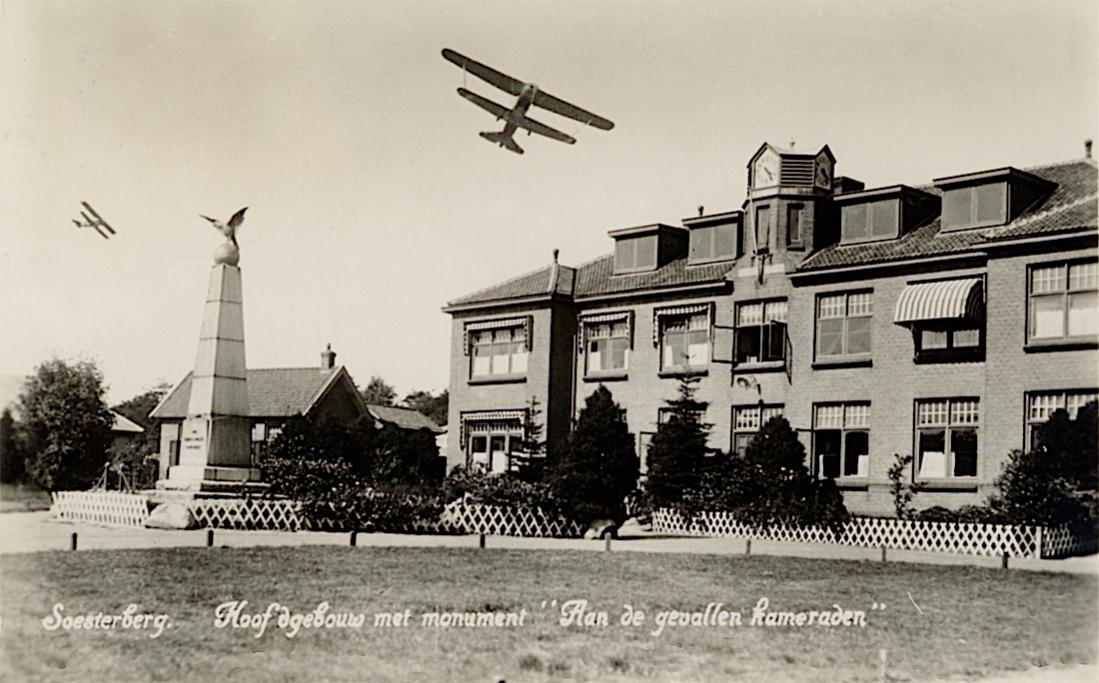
x=747 y=421
x=760 y=332
x=841 y=439
x=1042 y=404
x=608 y=346
x=843 y=325
x=663 y=415
x=684 y=341
x=490 y=445
x=1063 y=301
x=946 y=437
x=498 y=352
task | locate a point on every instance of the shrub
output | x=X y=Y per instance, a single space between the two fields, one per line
x=770 y=484
x=1057 y=481
x=903 y=491
x=598 y=466
x=11 y=461
x=677 y=453
x=503 y=489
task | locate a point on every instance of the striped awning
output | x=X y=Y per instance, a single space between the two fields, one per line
x=500 y=323
x=941 y=300
x=688 y=309
x=587 y=320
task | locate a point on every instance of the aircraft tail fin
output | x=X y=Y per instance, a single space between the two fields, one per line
x=503 y=139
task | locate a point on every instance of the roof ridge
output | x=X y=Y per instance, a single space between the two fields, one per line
x=499 y=284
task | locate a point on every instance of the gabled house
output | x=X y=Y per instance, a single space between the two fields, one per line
x=276 y=395
x=944 y=319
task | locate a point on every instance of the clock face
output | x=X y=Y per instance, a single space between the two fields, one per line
x=767 y=169
x=823 y=176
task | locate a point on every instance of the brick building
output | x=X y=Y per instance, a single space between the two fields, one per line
x=943 y=320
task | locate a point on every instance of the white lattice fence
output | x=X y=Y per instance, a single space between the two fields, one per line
x=477 y=518
x=457 y=517
x=101 y=507
x=952 y=537
x=246 y=513
x=1062 y=542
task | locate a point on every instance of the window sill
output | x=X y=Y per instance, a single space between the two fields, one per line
x=709 y=261
x=606 y=376
x=852 y=483
x=683 y=372
x=948 y=356
x=968 y=485
x=764 y=366
x=498 y=379
x=1061 y=344
x=849 y=362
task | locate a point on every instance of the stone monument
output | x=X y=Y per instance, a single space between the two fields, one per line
x=215 y=444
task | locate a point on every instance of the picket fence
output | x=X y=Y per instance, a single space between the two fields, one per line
x=897 y=534
x=457 y=517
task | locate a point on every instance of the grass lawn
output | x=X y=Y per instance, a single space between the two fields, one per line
x=974 y=621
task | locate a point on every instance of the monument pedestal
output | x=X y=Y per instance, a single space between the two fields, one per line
x=215 y=444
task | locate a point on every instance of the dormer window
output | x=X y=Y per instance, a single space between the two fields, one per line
x=989 y=198
x=714 y=238
x=647 y=247
x=870 y=221
x=975 y=206
x=883 y=213
x=635 y=253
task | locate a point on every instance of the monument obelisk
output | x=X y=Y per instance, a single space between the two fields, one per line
x=215 y=448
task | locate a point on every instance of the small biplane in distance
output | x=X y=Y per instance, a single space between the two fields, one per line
x=529 y=94
x=94 y=221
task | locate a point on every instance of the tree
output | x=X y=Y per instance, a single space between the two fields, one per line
x=134 y=454
x=781 y=489
x=434 y=407
x=65 y=425
x=378 y=393
x=769 y=484
x=1056 y=481
x=11 y=463
x=598 y=466
x=678 y=451
x=401 y=457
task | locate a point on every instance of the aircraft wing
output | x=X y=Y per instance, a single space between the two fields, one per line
x=485 y=73
x=98 y=218
x=484 y=103
x=558 y=106
x=542 y=129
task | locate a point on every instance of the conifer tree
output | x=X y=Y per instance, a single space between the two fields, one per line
x=677 y=453
x=598 y=466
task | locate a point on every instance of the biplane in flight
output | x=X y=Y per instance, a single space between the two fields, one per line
x=94 y=221
x=529 y=95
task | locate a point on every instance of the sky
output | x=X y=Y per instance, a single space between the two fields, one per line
x=372 y=201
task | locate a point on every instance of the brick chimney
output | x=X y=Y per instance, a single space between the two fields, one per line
x=328 y=358
x=1087 y=149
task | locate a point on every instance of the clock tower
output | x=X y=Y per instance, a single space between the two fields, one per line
x=788 y=210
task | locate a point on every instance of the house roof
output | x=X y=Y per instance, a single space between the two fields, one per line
x=272 y=392
x=1071 y=207
x=539 y=282
x=405 y=418
x=597 y=278
x=125 y=425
